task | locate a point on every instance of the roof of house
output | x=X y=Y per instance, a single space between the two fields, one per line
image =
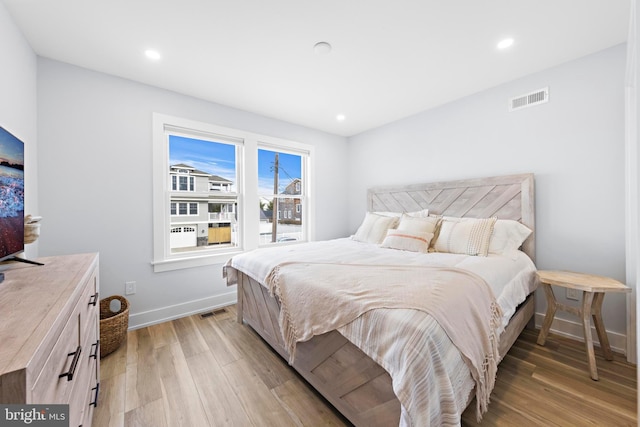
x=195 y=171
x=265 y=215
x=218 y=178
x=291 y=187
x=191 y=168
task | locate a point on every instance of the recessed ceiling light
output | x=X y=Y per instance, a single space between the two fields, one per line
x=322 y=48
x=340 y=117
x=503 y=44
x=152 y=54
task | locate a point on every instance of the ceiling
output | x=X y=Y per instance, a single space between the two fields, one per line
x=389 y=59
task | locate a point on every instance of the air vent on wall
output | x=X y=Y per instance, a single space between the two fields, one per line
x=529 y=100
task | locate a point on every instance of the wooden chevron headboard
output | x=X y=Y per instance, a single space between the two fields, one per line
x=505 y=197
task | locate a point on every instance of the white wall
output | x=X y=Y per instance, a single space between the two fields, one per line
x=96 y=182
x=18 y=70
x=574 y=145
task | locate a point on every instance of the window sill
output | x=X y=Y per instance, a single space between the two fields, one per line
x=192 y=261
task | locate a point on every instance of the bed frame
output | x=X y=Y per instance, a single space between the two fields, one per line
x=352 y=382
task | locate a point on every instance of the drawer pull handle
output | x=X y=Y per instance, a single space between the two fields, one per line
x=94 y=299
x=95 y=354
x=95 y=400
x=74 y=364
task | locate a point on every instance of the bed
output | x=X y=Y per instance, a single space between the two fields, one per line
x=358 y=380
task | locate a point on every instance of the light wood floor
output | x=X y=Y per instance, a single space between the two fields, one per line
x=213 y=372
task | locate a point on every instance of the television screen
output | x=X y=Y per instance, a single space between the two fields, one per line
x=11 y=195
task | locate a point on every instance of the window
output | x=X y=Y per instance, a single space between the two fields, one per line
x=183 y=208
x=281 y=184
x=194 y=162
x=202 y=184
x=181 y=179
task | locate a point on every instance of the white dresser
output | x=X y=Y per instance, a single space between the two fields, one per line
x=49 y=334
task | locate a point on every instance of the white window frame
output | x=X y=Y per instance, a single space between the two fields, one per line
x=246 y=188
x=188 y=210
x=191 y=182
x=306 y=153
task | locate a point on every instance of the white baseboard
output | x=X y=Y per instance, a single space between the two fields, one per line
x=572 y=329
x=164 y=314
x=567 y=328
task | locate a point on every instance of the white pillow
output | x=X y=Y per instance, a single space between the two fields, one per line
x=374 y=228
x=470 y=237
x=418 y=224
x=407 y=240
x=508 y=236
x=424 y=213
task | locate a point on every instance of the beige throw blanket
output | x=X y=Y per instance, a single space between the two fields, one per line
x=316 y=298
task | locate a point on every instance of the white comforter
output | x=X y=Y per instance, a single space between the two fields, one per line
x=443 y=375
x=511 y=278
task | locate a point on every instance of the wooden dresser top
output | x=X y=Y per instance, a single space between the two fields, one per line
x=35 y=304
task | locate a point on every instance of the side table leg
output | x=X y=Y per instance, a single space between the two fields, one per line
x=596 y=310
x=587 y=300
x=551 y=312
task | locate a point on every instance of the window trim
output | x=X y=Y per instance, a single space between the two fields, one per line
x=246 y=187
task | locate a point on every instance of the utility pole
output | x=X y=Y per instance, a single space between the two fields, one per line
x=274 y=213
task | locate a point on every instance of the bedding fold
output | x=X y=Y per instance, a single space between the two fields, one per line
x=318 y=297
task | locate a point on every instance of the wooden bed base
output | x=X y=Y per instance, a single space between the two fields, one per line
x=350 y=380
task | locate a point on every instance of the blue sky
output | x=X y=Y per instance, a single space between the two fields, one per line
x=219 y=159
x=214 y=158
x=290 y=168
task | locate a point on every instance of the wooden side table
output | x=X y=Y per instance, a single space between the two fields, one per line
x=593 y=289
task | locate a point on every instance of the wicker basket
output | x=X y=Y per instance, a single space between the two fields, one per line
x=113 y=325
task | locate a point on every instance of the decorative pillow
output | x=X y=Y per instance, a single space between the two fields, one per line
x=407 y=240
x=418 y=224
x=438 y=218
x=470 y=237
x=374 y=228
x=508 y=236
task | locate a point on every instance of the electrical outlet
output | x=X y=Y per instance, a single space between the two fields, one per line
x=129 y=288
x=573 y=294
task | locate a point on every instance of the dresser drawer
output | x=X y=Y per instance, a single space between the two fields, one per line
x=52 y=385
